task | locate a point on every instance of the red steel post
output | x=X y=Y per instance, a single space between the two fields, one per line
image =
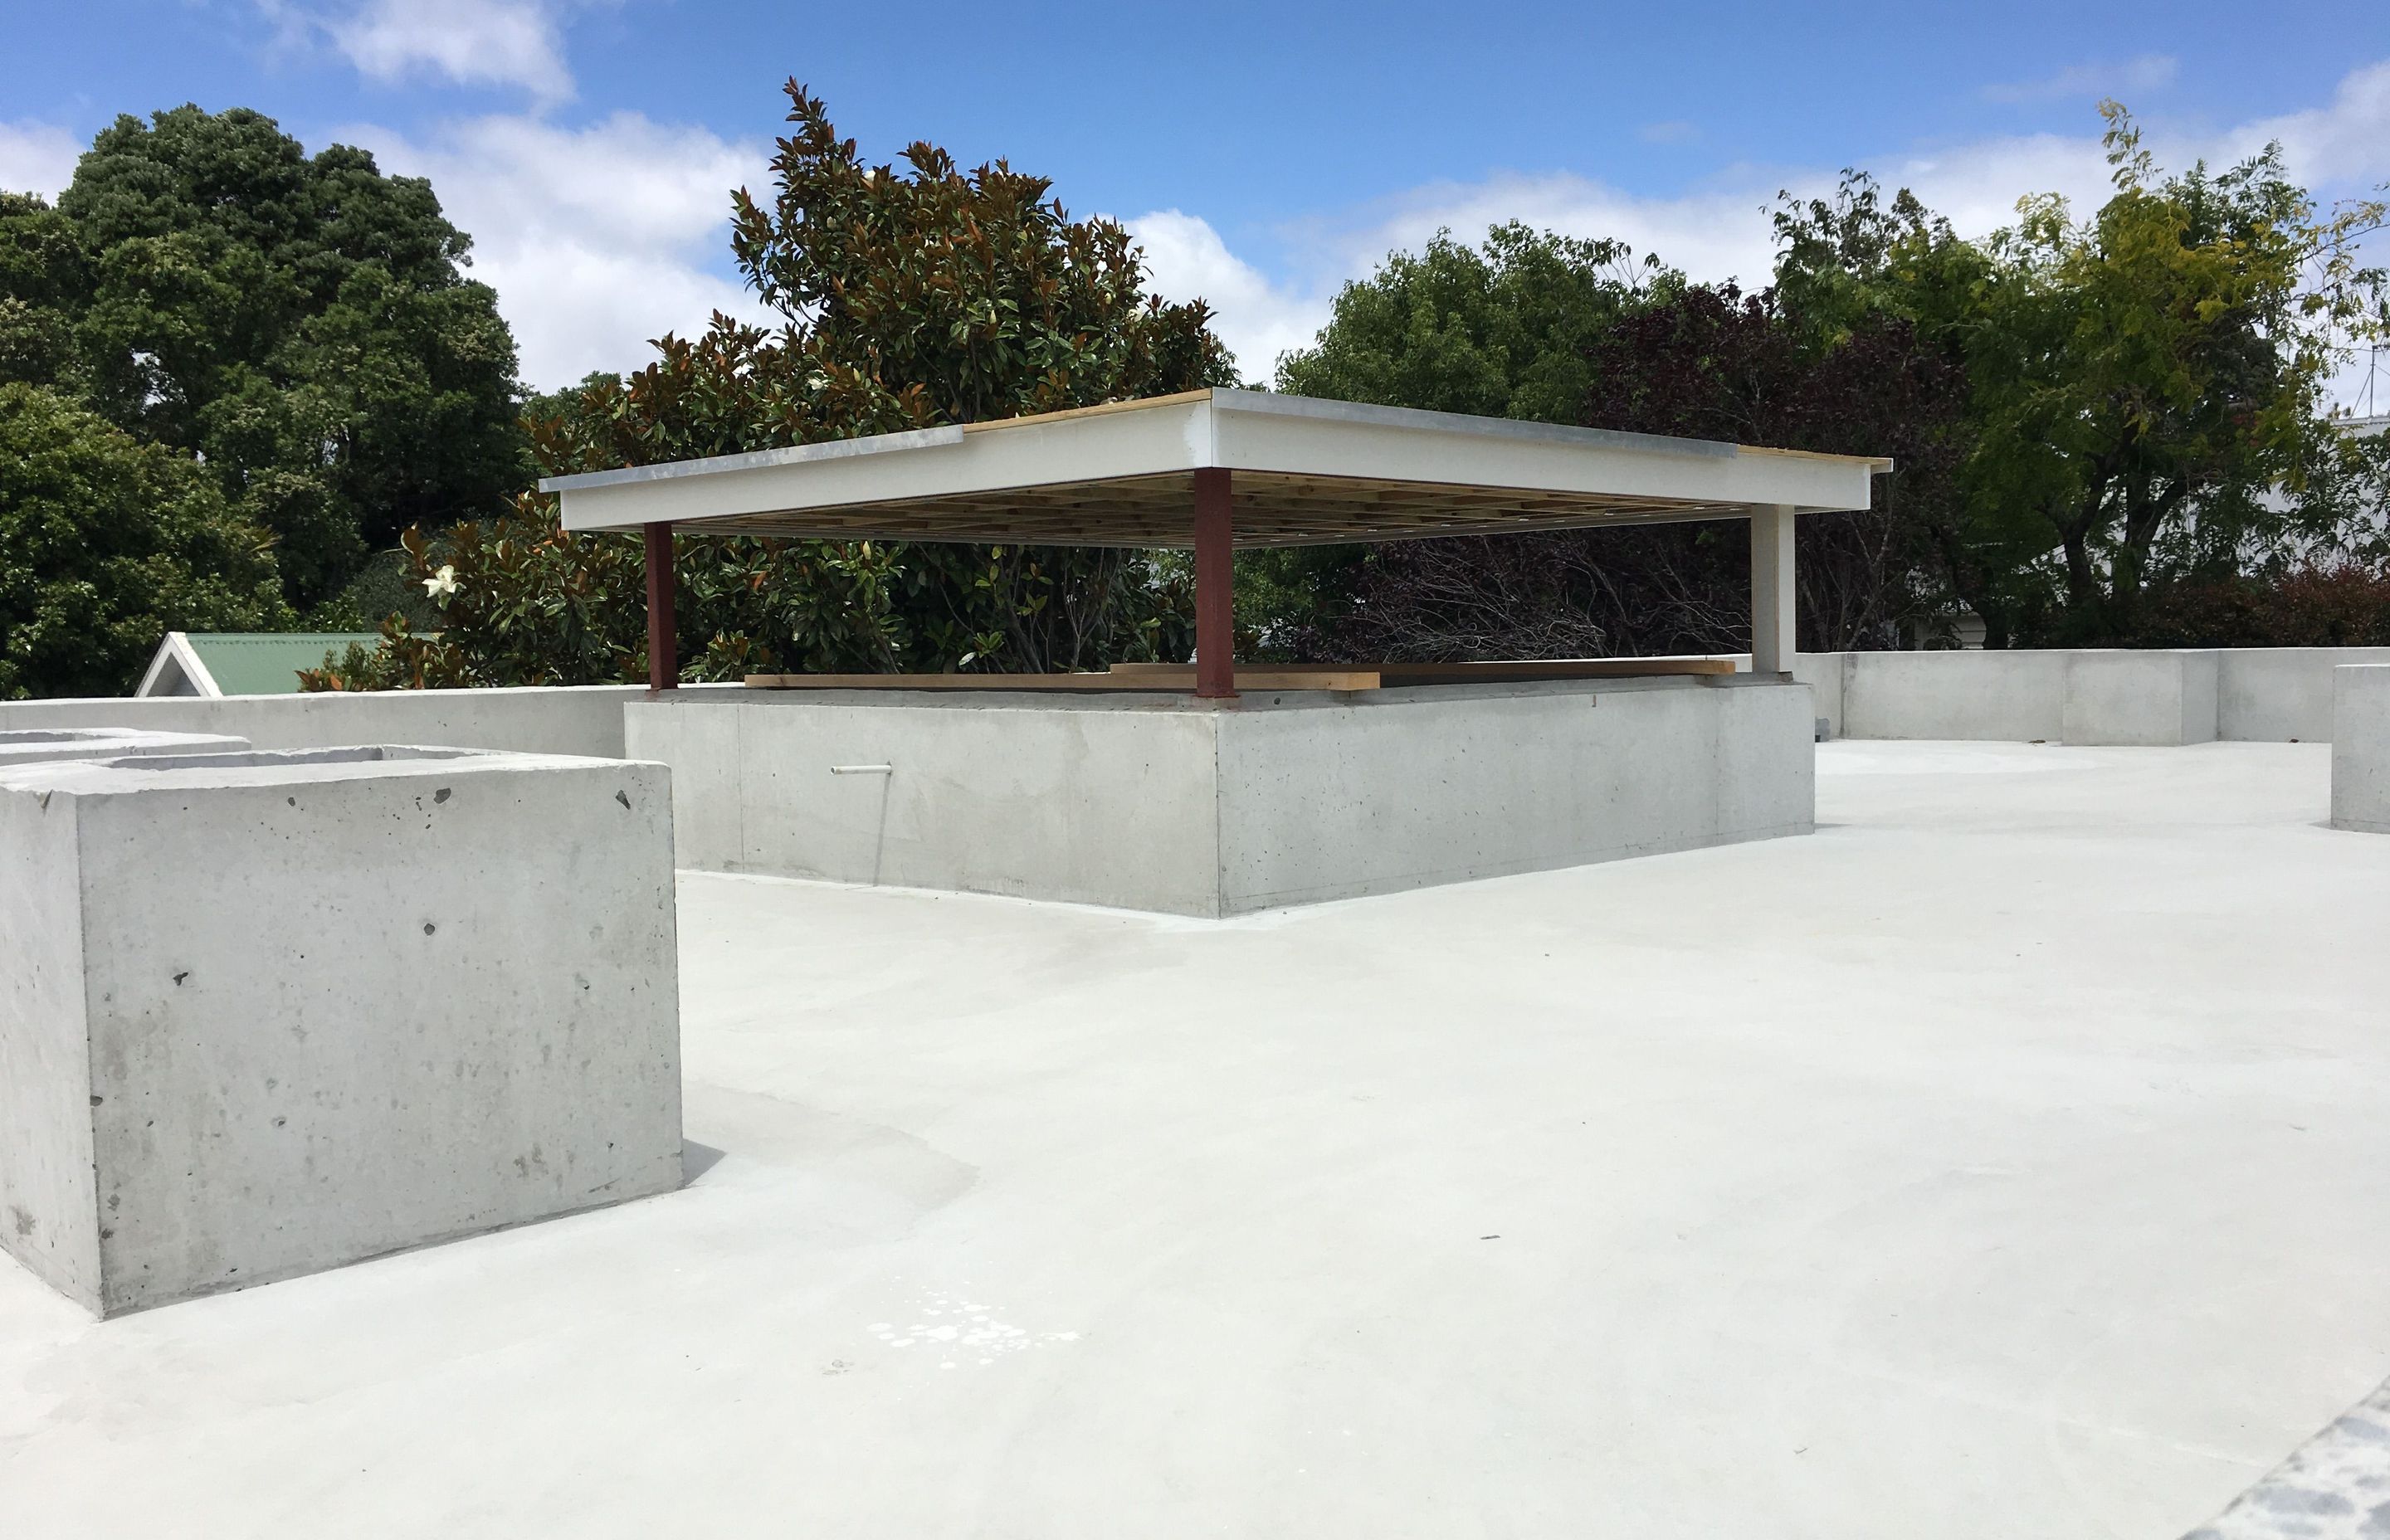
x=1215 y=646
x=663 y=657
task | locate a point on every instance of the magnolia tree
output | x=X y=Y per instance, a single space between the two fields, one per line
x=910 y=296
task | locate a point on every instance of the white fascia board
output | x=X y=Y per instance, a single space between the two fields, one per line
x=1257 y=432
x=1238 y=430
x=935 y=463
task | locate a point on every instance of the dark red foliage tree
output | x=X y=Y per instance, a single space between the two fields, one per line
x=1708 y=363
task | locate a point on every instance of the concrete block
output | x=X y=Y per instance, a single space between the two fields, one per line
x=1346 y=799
x=2360 y=747
x=1165 y=804
x=2260 y=695
x=265 y=1013
x=2160 y=698
x=41 y=745
x=1090 y=803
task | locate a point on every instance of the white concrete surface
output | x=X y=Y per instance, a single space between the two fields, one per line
x=1168 y=803
x=262 y=1014
x=585 y=720
x=41 y=745
x=2361 y=749
x=2006 y=1160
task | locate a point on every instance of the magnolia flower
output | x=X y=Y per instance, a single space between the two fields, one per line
x=442 y=583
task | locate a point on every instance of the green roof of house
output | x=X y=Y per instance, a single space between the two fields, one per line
x=267 y=663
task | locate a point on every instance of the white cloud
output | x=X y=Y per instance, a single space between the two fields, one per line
x=598 y=239
x=1257 y=319
x=2089 y=82
x=601 y=238
x=2347 y=140
x=1719 y=230
x=37 y=158
x=468 y=42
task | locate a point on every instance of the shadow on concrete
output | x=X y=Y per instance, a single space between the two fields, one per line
x=695 y=1160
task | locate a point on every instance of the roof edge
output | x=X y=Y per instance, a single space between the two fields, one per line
x=761 y=459
x=1415 y=419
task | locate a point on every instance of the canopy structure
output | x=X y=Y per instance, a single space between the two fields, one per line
x=1216 y=471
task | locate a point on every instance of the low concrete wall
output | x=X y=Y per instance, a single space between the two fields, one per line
x=1163 y=803
x=1098 y=800
x=2140 y=699
x=1347 y=800
x=264 y=1014
x=2281 y=694
x=2123 y=697
x=585 y=720
x=2156 y=697
x=2361 y=749
x=2018 y=696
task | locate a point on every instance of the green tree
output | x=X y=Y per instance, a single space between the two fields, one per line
x=2079 y=410
x=910 y=297
x=1693 y=361
x=1497 y=331
x=2145 y=378
x=1502 y=331
x=1854 y=264
x=41 y=272
x=301 y=325
x=107 y=544
x=2147 y=387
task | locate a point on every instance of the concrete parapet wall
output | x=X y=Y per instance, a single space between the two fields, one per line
x=2092 y=697
x=585 y=720
x=2278 y=695
x=262 y=1014
x=1163 y=803
x=2360 y=747
x=2018 y=696
x=2154 y=697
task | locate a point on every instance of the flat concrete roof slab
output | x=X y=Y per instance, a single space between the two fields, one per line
x=2007 y=1159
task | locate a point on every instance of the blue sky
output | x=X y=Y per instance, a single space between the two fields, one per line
x=1264 y=153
